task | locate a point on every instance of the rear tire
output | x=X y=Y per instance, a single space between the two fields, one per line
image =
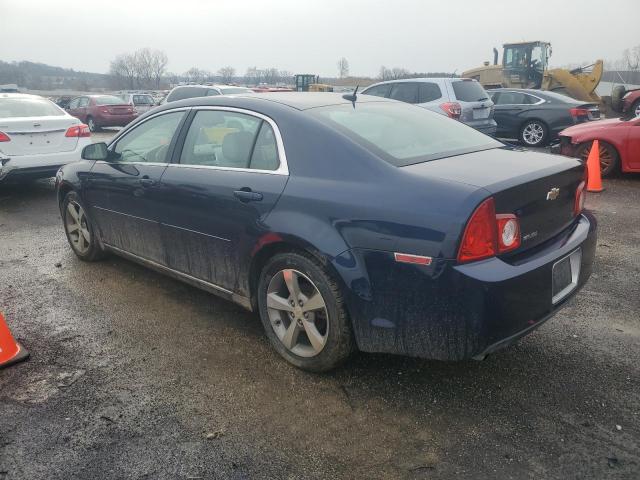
x=322 y=337
x=91 y=123
x=534 y=133
x=79 y=229
x=609 y=159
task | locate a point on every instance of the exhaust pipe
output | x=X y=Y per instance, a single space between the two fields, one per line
x=495 y=56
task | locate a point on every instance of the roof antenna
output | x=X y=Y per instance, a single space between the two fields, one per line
x=352 y=97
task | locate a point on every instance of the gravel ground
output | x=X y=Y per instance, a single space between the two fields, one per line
x=135 y=375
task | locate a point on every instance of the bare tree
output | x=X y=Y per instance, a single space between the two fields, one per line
x=271 y=75
x=123 y=69
x=194 y=74
x=631 y=57
x=227 y=74
x=343 y=67
x=158 y=66
x=253 y=76
x=385 y=73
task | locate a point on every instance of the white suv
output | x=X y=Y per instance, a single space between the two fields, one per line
x=37 y=137
x=463 y=99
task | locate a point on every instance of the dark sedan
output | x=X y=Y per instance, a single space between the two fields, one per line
x=345 y=223
x=535 y=117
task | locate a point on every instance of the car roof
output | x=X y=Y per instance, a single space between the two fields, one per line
x=215 y=85
x=297 y=100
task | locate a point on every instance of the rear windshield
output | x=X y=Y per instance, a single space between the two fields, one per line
x=469 y=91
x=403 y=134
x=186 y=92
x=28 y=107
x=232 y=90
x=108 y=100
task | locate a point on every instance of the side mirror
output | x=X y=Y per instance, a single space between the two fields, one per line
x=95 y=151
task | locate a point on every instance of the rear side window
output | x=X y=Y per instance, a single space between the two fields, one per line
x=469 y=91
x=181 y=93
x=429 y=92
x=405 y=92
x=379 y=90
x=230 y=139
x=28 y=107
x=511 y=98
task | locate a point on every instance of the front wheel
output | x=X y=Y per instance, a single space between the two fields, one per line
x=303 y=313
x=79 y=229
x=635 y=109
x=608 y=156
x=91 y=123
x=534 y=133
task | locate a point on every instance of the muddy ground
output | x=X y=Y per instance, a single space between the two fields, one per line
x=135 y=375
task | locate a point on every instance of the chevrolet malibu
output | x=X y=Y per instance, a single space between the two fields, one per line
x=346 y=222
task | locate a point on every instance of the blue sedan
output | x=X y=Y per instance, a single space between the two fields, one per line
x=345 y=222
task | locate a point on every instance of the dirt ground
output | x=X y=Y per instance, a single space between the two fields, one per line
x=135 y=375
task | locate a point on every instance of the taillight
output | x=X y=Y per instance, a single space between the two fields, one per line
x=78 y=131
x=4 y=137
x=578 y=112
x=488 y=234
x=452 y=109
x=508 y=232
x=581 y=194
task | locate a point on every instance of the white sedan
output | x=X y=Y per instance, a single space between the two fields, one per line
x=37 y=137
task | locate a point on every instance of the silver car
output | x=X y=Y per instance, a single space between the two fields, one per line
x=142 y=102
x=463 y=99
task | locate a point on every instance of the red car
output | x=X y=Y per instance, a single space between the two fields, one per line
x=631 y=103
x=619 y=141
x=102 y=111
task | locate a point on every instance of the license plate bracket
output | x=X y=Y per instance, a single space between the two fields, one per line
x=564 y=275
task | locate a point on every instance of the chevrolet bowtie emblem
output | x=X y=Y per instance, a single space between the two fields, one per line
x=553 y=193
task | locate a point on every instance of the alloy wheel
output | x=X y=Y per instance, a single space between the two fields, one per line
x=77 y=228
x=605 y=157
x=636 y=112
x=533 y=133
x=297 y=313
x=91 y=124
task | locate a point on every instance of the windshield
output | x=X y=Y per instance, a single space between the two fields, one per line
x=28 y=107
x=404 y=134
x=232 y=90
x=108 y=100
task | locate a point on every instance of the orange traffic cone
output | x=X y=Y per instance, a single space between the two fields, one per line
x=594 y=179
x=10 y=351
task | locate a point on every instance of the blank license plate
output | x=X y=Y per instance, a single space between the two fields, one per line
x=480 y=113
x=565 y=274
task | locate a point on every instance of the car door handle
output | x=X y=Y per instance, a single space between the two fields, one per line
x=147 y=182
x=247 y=195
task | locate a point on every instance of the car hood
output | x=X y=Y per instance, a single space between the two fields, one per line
x=596 y=126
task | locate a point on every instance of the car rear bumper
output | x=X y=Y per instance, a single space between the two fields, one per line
x=446 y=311
x=106 y=120
x=487 y=127
x=26 y=167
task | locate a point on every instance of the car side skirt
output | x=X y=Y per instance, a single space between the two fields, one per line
x=196 y=282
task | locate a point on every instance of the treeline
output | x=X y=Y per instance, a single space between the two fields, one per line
x=39 y=76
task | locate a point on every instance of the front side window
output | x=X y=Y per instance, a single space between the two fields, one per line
x=149 y=142
x=219 y=138
x=378 y=90
x=401 y=134
x=405 y=92
x=83 y=102
x=74 y=103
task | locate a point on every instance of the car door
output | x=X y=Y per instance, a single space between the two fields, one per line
x=227 y=175
x=83 y=109
x=633 y=145
x=508 y=113
x=124 y=193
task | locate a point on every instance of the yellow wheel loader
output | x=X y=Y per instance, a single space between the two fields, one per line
x=525 y=65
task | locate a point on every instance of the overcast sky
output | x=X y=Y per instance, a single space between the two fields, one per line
x=309 y=36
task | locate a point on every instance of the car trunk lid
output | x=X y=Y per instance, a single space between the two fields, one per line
x=538 y=188
x=37 y=135
x=124 y=109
